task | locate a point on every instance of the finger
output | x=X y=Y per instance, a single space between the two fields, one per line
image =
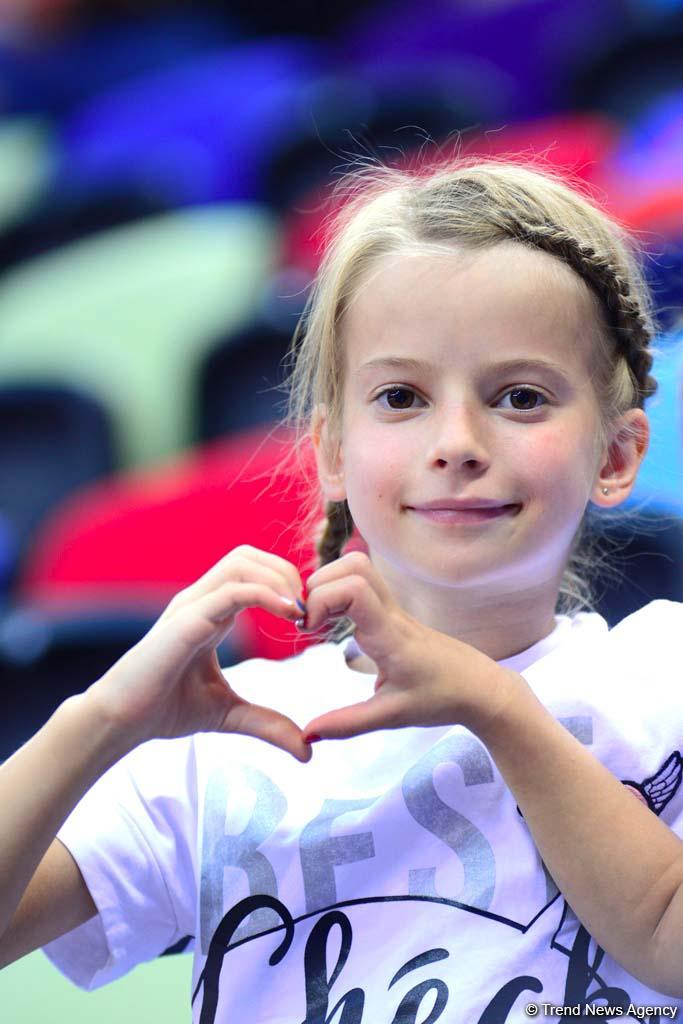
x=238 y=569
x=378 y=626
x=244 y=564
x=269 y=725
x=347 y=595
x=355 y=563
x=368 y=716
x=206 y=621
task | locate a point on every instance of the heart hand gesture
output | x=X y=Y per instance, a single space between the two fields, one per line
x=424 y=677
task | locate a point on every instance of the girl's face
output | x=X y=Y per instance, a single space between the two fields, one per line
x=434 y=409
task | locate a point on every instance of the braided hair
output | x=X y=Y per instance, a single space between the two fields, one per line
x=625 y=315
x=337 y=529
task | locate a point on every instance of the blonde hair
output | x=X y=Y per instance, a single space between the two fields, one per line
x=473 y=205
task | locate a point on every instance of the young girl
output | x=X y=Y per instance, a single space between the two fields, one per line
x=472 y=371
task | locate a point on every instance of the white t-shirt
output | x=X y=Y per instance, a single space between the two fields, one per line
x=393 y=878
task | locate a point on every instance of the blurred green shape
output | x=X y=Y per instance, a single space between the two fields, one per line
x=32 y=991
x=129 y=313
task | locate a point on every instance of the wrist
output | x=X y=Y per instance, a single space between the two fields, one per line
x=498 y=704
x=106 y=738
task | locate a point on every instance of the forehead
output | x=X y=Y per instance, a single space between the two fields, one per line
x=506 y=301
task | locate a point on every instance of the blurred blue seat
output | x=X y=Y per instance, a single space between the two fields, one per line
x=239 y=381
x=504 y=47
x=198 y=132
x=664 y=271
x=47 y=655
x=647 y=561
x=53 y=439
x=652 y=148
x=627 y=69
x=50 y=653
x=305 y=17
x=237 y=386
x=660 y=480
x=63 y=70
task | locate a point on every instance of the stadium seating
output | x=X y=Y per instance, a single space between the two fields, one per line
x=127 y=314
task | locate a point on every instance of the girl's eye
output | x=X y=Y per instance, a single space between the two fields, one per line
x=524 y=399
x=402 y=396
x=527 y=395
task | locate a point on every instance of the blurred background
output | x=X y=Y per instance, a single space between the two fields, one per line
x=165 y=175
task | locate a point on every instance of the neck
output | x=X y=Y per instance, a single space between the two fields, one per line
x=497 y=623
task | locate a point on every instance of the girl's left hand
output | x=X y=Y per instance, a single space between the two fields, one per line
x=424 y=677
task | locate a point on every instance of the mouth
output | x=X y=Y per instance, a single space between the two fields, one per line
x=464 y=516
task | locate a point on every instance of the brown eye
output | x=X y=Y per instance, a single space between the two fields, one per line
x=525 y=399
x=398 y=398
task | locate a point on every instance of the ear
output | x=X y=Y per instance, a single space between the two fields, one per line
x=328 y=456
x=622 y=459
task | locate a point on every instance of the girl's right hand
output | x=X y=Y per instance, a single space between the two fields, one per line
x=170 y=684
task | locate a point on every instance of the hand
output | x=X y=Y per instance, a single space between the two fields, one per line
x=424 y=677
x=170 y=684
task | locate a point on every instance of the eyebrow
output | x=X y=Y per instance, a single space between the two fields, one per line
x=506 y=366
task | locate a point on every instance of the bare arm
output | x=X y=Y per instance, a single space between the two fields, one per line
x=39 y=786
x=168 y=685
x=619 y=867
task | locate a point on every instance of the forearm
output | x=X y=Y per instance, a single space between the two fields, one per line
x=618 y=866
x=42 y=783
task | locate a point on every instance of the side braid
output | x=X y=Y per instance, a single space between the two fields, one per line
x=337 y=528
x=627 y=321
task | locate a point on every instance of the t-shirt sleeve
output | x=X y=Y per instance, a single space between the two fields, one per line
x=133 y=838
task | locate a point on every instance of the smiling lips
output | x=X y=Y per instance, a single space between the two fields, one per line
x=474 y=510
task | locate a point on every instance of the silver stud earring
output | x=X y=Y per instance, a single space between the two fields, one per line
x=605 y=490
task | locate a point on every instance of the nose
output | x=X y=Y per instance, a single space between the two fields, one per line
x=458 y=437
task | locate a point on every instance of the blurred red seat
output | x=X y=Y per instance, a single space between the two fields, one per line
x=137 y=538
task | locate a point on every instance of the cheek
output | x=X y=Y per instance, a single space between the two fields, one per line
x=558 y=456
x=376 y=469
x=377 y=454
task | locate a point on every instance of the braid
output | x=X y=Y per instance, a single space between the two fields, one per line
x=627 y=321
x=337 y=528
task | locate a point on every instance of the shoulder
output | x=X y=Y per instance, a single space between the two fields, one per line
x=640 y=656
x=646 y=643
x=649 y=640
x=621 y=691
x=659 y=620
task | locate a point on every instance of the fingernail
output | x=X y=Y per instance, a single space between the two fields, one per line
x=300 y=624
x=301 y=605
x=313 y=738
